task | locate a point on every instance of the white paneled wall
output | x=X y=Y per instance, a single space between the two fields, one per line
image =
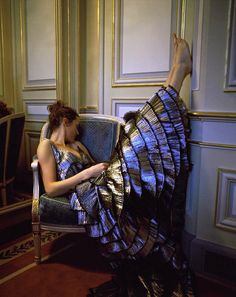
x=137 y=50
x=39 y=42
x=226 y=199
x=109 y=56
x=230 y=72
x=211 y=192
x=6 y=62
x=34 y=56
x=142 y=52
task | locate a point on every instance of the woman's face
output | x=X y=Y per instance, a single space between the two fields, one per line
x=72 y=131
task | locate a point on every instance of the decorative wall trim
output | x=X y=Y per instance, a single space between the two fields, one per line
x=101 y=35
x=230 y=71
x=31 y=84
x=59 y=55
x=225 y=214
x=121 y=78
x=204 y=126
x=212 y=145
x=1 y=56
x=67 y=35
x=88 y=109
x=183 y=18
x=6 y=54
x=33 y=121
x=197 y=44
x=36 y=109
x=208 y=114
x=122 y=105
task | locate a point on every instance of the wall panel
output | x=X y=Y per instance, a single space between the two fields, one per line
x=137 y=48
x=230 y=71
x=226 y=199
x=142 y=43
x=212 y=180
x=38 y=44
x=6 y=63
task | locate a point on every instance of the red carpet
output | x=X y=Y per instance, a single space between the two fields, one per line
x=73 y=266
x=70 y=272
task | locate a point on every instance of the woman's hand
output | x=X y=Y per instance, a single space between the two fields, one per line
x=97 y=169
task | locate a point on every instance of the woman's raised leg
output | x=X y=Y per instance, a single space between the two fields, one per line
x=182 y=64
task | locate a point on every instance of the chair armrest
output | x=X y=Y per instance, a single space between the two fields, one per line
x=35 y=169
x=36 y=190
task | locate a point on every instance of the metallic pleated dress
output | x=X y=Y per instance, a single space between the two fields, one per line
x=135 y=209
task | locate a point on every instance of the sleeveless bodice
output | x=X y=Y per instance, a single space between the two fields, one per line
x=135 y=209
x=68 y=163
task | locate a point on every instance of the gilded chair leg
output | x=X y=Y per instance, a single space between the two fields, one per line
x=37 y=243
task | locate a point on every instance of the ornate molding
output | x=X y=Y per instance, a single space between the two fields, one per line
x=1 y=56
x=122 y=105
x=214 y=145
x=209 y=114
x=230 y=71
x=204 y=126
x=31 y=84
x=36 y=110
x=59 y=60
x=225 y=213
x=88 y=109
x=129 y=77
x=197 y=44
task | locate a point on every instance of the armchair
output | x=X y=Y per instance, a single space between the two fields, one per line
x=99 y=134
x=11 y=132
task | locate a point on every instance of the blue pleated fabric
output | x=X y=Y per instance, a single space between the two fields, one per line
x=135 y=209
x=129 y=208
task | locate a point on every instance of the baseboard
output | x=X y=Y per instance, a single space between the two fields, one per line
x=211 y=261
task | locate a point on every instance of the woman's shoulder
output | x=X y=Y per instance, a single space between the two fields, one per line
x=44 y=146
x=45 y=142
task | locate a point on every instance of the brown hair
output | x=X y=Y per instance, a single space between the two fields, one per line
x=4 y=111
x=58 y=111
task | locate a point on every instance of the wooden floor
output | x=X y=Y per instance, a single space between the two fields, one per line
x=63 y=272
x=69 y=273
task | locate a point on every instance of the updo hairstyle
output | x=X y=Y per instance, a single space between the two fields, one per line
x=58 y=111
x=4 y=111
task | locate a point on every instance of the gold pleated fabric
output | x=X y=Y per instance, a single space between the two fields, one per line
x=136 y=208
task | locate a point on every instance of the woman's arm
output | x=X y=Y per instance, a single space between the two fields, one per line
x=48 y=168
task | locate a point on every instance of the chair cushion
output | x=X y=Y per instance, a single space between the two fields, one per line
x=56 y=211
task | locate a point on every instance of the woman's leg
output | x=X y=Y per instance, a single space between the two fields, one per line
x=182 y=65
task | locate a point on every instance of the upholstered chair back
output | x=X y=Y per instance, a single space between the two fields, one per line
x=98 y=133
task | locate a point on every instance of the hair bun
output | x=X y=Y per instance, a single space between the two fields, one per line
x=58 y=111
x=55 y=106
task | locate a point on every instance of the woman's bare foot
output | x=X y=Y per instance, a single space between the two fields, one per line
x=181 y=65
x=182 y=55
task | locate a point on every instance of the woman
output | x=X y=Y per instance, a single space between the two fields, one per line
x=134 y=205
